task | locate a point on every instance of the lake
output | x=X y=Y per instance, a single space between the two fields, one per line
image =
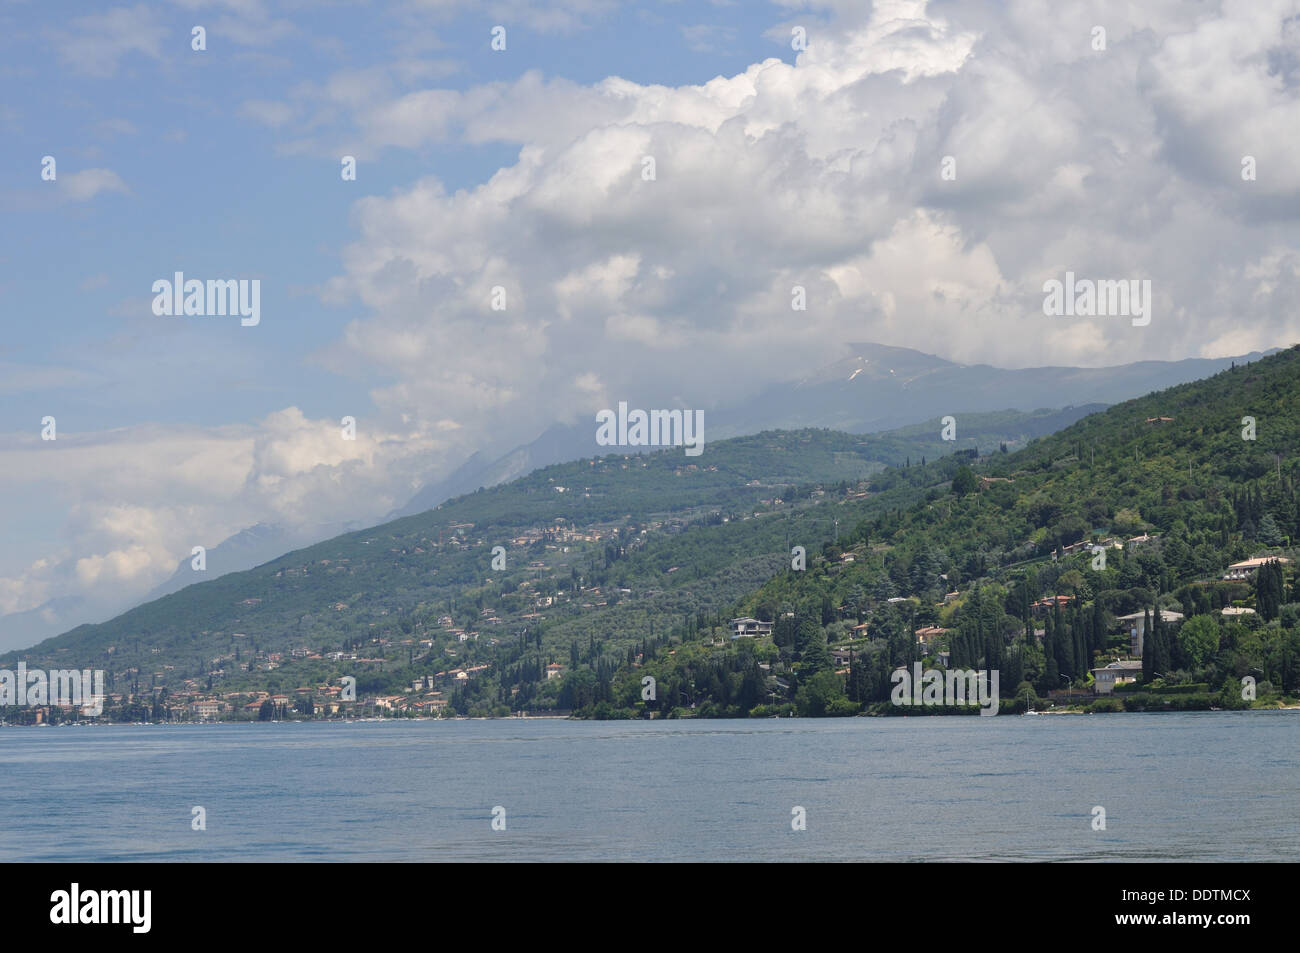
x=1202 y=786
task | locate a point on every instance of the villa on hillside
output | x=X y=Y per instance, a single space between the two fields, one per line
x=928 y=635
x=1135 y=622
x=1243 y=569
x=1050 y=603
x=747 y=628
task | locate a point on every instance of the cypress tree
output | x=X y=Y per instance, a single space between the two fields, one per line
x=1162 y=657
x=1064 y=642
x=1269 y=589
x=1051 y=671
x=1051 y=676
x=1148 y=653
x=1015 y=670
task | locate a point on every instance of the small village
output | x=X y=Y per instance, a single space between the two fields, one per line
x=429 y=695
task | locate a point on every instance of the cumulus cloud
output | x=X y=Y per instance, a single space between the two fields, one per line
x=138 y=499
x=825 y=173
x=822 y=174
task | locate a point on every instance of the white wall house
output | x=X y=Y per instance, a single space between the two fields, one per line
x=1116 y=673
x=747 y=628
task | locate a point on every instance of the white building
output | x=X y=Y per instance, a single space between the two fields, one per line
x=1243 y=569
x=1116 y=673
x=747 y=628
x=1135 y=622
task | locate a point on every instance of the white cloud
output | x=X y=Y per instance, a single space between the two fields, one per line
x=33 y=378
x=97 y=43
x=544 y=16
x=824 y=173
x=85 y=185
x=138 y=499
x=245 y=22
x=267 y=112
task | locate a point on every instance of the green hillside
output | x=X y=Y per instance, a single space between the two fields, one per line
x=669 y=521
x=625 y=566
x=1171 y=469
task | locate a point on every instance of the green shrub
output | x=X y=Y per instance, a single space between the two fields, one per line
x=1104 y=706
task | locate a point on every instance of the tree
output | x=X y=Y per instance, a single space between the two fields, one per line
x=1161 y=643
x=1269 y=533
x=818 y=696
x=1148 y=650
x=1013 y=668
x=963 y=481
x=1097 y=637
x=1269 y=589
x=1230 y=695
x=814 y=656
x=1199 y=638
x=266 y=711
x=1071 y=580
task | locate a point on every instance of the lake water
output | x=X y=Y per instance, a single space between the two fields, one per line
x=1204 y=786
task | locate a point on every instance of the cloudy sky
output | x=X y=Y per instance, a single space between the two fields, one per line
x=1106 y=138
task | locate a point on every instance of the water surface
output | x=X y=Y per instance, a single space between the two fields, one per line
x=1202 y=786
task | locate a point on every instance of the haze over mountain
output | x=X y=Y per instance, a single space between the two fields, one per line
x=506 y=263
x=669 y=537
x=248 y=548
x=878 y=387
x=875 y=388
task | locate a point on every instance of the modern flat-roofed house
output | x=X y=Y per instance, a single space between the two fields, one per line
x=746 y=628
x=1232 y=612
x=1135 y=622
x=1116 y=673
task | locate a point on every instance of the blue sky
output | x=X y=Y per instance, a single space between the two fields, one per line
x=524 y=169
x=210 y=189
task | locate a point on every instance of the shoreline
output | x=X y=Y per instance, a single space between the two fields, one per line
x=356 y=721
